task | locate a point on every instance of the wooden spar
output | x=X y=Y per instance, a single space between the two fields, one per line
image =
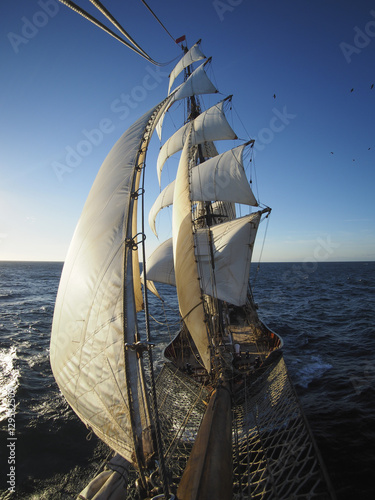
x=208 y=473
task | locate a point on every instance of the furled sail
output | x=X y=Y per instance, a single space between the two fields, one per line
x=192 y=56
x=197 y=83
x=95 y=312
x=232 y=245
x=211 y=125
x=186 y=273
x=221 y=178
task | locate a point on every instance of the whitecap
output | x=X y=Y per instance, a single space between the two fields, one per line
x=312 y=369
x=9 y=376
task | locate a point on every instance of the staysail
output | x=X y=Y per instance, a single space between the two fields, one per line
x=95 y=322
x=95 y=312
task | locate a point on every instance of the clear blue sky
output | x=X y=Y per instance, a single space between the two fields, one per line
x=61 y=78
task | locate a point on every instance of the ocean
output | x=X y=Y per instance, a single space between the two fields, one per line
x=324 y=312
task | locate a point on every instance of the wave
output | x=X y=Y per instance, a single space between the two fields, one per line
x=9 y=380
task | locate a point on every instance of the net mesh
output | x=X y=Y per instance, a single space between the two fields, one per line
x=274 y=455
x=274 y=452
x=181 y=408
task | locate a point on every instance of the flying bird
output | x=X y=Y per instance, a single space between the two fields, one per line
x=372 y=86
x=351 y=90
x=274 y=96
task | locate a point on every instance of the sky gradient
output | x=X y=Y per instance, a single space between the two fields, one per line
x=302 y=75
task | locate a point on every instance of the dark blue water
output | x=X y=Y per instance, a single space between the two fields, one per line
x=324 y=312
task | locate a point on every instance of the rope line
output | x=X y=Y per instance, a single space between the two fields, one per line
x=109 y=16
x=135 y=48
x=261 y=253
x=156 y=17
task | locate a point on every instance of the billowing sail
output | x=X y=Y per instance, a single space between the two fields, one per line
x=186 y=273
x=231 y=250
x=193 y=55
x=197 y=83
x=95 y=312
x=211 y=125
x=227 y=247
x=160 y=265
x=221 y=178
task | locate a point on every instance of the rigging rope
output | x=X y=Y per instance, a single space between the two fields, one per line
x=156 y=17
x=109 y=16
x=159 y=444
x=261 y=253
x=136 y=48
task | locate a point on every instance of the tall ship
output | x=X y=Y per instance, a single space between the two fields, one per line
x=220 y=419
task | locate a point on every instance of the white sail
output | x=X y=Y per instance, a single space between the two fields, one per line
x=221 y=178
x=165 y=199
x=95 y=312
x=232 y=248
x=211 y=125
x=186 y=273
x=192 y=56
x=160 y=265
x=197 y=83
x=232 y=245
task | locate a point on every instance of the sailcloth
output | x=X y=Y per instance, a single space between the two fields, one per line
x=193 y=55
x=211 y=125
x=186 y=274
x=221 y=178
x=197 y=83
x=95 y=312
x=230 y=249
x=160 y=266
x=232 y=245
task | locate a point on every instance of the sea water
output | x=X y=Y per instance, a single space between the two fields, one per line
x=323 y=311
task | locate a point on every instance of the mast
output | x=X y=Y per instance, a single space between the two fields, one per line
x=208 y=473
